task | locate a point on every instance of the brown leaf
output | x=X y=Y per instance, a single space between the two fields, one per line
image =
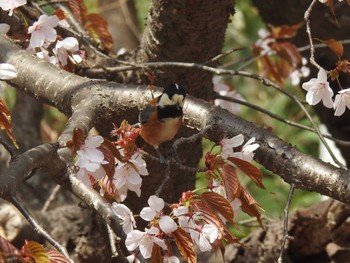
x=156 y=256
x=5 y=121
x=249 y=205
x=219 y=204
x=109 y=150
x=7 y=250
x=289 y=52
x=98 y=30
x=36 y=251
x=231 y=183
x=335 y=46
x=77 y=141
x=109 y=189
x=185 y=245
x=60 y=14
x=270 y=69
x=253 y=172
x=79 y=10
x=285 y=31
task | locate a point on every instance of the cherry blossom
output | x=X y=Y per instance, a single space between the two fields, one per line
x=264 y=42
x=10 y=5
x=144 y=241
x=4 y=28
x=342 y=101
x=247 y=151
x=224 y=90
x=69 y=44
x=228 y=145
x=7 y=71
x=127 y=217
x=42 y=31
x=127 y=175
x=318 y=89
x=133 y=259
x=204 y=236
x=155 y=209
x=90 y=160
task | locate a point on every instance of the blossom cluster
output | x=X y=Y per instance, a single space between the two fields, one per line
x=43 y=34
x=318 y=90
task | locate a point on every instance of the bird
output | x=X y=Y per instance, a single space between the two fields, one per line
x=162 y=118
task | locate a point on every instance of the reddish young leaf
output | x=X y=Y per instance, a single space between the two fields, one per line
x=77 y=141
x=219 y=204
x=231 y=183
x=57 y=257
x=7 y=250
x=249 y=205
x=60 y=14
x=109 y=189
x=108 y=149
x=270 y=69
x=35 y=251
x=343 y=66
x=98 y=30
x=79 y=10
x=156 y=256
x=285 y=31
x=289 y=52
x=253 y=172
x=185 y=245
x=335 y=46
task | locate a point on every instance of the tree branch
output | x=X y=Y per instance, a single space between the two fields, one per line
x=114 y=101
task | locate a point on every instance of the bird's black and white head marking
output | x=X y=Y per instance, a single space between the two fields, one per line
x=174 y=94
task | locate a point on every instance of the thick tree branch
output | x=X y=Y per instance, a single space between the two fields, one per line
x=114 y=100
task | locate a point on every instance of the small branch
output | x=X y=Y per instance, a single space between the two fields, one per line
x=285 y=225
x=41 y=231
x=112 y=242
x=8 y=144
x=308 y=31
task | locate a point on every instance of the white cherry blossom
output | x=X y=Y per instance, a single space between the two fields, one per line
x=42 y=31
x=155 y=210
x=171 y=259
x=204 y=236
x=10 y=5
x=342 y=101
x=69 y=44
x=228 y=145
x=127 y=217
x=247 y=151
x=144 y=241
x=127 y=175
x=318 y=89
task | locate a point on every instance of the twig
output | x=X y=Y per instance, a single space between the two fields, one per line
x=52 y=197
x=112 y=242
x=308 y=31
x=217 y=57
x=165 y=180
x=285 y=225
x=41 y=231
x=191 y=138
x=8 y=144
x=279 y=118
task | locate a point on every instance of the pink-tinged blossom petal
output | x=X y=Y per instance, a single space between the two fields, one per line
x=229 y=144
x=156 y=203
x=148 y=213
x=125 y=214
x=204 y=236
x=10 y=5
x=318 y=89
x=342 y=101
x=132 y=259
x=182 y=210
x=247 y=152
x=69 y=44
x=144 y=241
x=43 y=31
x=167 y=224
x=7 y=71
x=4 y=28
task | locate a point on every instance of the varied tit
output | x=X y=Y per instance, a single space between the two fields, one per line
x=162 y=117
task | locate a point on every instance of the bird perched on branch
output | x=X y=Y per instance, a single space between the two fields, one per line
x=162 y=117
